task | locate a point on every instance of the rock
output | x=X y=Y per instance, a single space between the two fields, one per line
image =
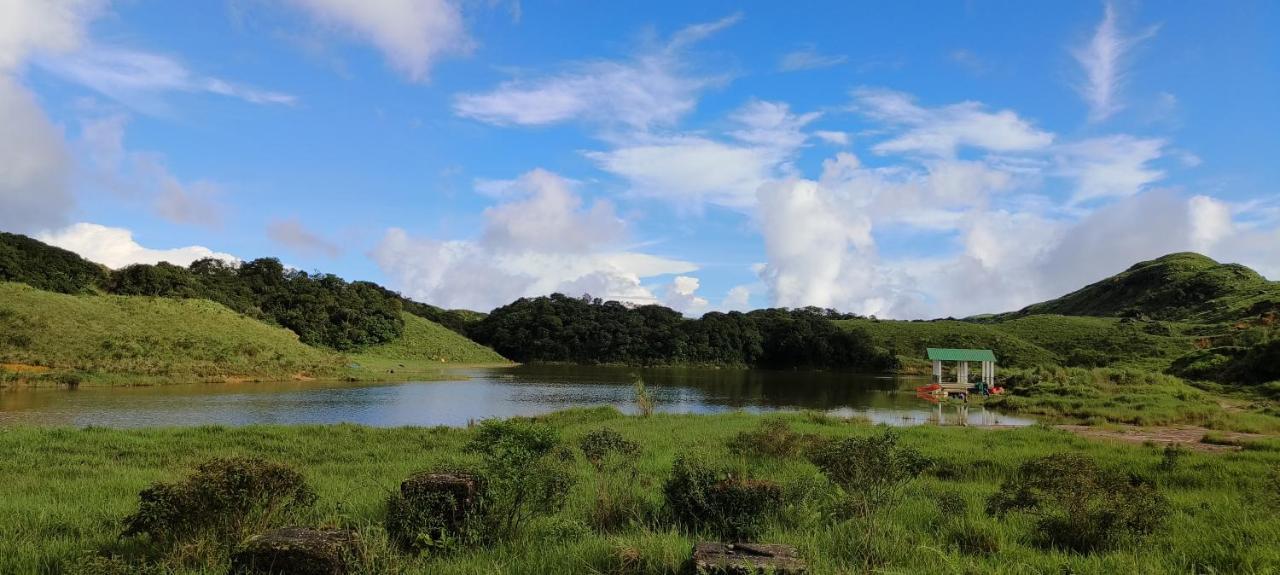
x=711 y=558
x=462 y=487
x=296 y=551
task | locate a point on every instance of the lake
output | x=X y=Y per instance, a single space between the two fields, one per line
x=464 y=395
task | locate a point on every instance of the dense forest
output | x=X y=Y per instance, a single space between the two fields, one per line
x=558 y=328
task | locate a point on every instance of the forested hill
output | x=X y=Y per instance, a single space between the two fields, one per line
x=1176 y=287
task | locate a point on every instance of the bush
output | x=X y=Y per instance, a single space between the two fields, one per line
x=526 y=473
x=774 y=438
x=972 y=538
x=1171 y=457
x=600 y=445
x=437 y=511
x=700 y=497
x=871 y=471
x=224 y=496
x=1080 y=506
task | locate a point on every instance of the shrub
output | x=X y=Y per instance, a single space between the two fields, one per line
x=644 y=401
x=972 y=538
x=952 y=505
x=1080 y=506
x=525 y=471
x=701 y=497
x=226 y=496
x=774 y=438
x=436 y=511
x=871 y=471
x=1171 y=457
x=599 y=445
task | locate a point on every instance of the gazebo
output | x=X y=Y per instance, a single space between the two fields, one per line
x=963 y=357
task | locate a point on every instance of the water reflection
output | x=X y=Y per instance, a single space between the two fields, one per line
x=473 y=394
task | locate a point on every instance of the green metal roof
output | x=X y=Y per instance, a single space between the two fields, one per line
x=945 y=354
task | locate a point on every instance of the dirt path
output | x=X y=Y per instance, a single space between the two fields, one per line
x=1190 y=436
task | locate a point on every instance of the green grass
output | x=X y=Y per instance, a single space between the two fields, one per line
x=66 y=490
x=908 y=340
x=1097 y=341
x=428 y=342
x=102 y=338
x=53 y=338
x=1124 y=397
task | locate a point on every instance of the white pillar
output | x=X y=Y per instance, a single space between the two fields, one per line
x=937 y=371
x=962 y=373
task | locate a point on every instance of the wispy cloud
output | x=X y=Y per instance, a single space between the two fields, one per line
x=1103 y=59
x=941 y=131
x=292 y=234
x=138 y=79
x=809 y=58
x=654 y=87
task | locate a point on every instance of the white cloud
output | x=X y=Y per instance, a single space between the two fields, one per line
x=692 y=170
x=137 y=78
x=1110 y=166
x=738 y=299
x=942 y=131
x=540 y=240
x=549 y=218
x=34 y=192
x=116 y=248
x=653 y=88
x=412 y=34
x=809 y=58
x=292 y=234
x=29 y=27
x=833 y=137
x=681 y=295
x=1210 y=222
x=1103 y=60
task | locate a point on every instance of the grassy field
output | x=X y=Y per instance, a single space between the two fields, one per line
x=47 y=337
x=67 y=490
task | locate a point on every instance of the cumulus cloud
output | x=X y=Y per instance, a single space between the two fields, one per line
x=833 y=137
x=541 y=239
x=138 y=79
x=34 y=192
x=809 y=58
x=30 y=27
x=943 y=130
x=681 y=295
x=412 y=34
x=293 y=235
x=692 y=170
x=1102 y=58
x=116 y=248
x=653 y=88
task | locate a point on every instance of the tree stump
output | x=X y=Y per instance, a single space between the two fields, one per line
x=295 y=551
x=711 y=558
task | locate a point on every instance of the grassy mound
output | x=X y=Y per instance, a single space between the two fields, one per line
x=1181 y=286
x=426 y=341
x=123 y=337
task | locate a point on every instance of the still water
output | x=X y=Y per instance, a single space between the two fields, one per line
x=464 y=395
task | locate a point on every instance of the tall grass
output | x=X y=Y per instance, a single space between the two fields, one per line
x=65 y=492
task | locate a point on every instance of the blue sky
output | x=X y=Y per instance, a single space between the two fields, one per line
x=902 y=159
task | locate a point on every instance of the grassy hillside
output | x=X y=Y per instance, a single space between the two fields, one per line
x=429 y=342
x=1181 y=286
x=135 y=339
x=124 y=336
x=1095 y=341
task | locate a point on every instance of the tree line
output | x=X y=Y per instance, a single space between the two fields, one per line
x=559 y=328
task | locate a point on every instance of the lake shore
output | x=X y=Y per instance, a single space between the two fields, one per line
x=68 y=489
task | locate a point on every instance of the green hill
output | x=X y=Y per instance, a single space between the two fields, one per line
x=429 y=341
x=120 y=338
x=1178 y=287
x=138 y=339
x=908 y=340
